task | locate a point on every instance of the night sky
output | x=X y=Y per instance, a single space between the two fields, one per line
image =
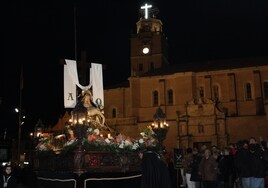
x=37 y=34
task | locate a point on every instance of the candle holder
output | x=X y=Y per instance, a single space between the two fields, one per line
x=79 y=126
x=160 y=128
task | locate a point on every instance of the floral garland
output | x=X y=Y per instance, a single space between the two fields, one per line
x=95 y=141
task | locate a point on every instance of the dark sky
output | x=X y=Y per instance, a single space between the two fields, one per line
x=37 y=34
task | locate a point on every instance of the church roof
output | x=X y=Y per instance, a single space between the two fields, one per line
x=201 y=66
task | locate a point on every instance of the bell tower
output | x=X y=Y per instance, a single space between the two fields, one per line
x=149 y=49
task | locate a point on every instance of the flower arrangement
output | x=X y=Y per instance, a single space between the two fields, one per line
x=119 y=142
x=44 y=144
x=96 y=140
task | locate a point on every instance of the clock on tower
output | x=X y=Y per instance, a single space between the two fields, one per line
x=149 y=46
x=145 y=50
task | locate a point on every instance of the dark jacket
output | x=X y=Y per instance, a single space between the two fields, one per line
x=243 y=163
x=195 y=168
x=226 y=167
x=11 y=181
x=208 y=169
x=257 y=161
x=187 y=163
x=155 y=172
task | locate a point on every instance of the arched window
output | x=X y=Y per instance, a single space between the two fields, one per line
x=152 y=65
x=140 y=67
x=170 y=96
x=215 y=92
x=265 y=89
x=201 y=91
x=155 y=98
x=114 y=113
x=248 y=91
x=200 y=128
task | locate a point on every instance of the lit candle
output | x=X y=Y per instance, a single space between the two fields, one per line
x=109 y=135
x=161 y=125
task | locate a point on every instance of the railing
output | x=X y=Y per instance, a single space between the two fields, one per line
x=93 y=161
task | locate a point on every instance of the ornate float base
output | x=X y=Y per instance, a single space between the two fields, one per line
x=87 y=161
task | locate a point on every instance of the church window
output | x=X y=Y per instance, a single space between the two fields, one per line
x=265 y=89
x=201 y=91
x=248 y=91
x=200 y=128
x=170 y=96
x=155 y=98
x=114 y=113
x=215 y=92
x=140 y=67
x=152 y=65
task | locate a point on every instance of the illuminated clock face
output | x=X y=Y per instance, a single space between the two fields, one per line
x=145 y=50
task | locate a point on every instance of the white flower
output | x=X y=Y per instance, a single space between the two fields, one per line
x=142 y=134
x=70 y=142
x=127 y=142
x=141 y=141
x=43 y=147
x=89 y=129
x=107 y=141
x=135 y=146
x=96 y=131
x=122 y=145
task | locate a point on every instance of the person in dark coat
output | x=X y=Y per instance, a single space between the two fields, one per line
x=195 y=177
x=8 y=180
x=257 y=166
x=243 y=164
x=208 y=169
x=155 y=172
x=227 y=169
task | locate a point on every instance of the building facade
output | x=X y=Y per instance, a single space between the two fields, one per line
x=213 y=103
x=210 y=102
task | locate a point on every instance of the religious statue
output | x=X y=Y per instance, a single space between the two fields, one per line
x=93 y=112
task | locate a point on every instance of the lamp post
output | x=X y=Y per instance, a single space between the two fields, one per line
x=160 y=127
x=19 y=110
x=79 y=126
x=21 y=122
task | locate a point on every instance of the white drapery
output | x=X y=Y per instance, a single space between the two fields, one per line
x=71 y=64
x=69 y=89
x=97 y=83
x=71 y=81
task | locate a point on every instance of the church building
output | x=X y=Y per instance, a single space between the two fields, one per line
x=213 y=103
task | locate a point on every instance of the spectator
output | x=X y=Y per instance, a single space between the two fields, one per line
x=208 y=169
x=195 y=177
x=242 y=164
x=187 y=166
x=8 y=180
x=227 y=169
x=155 y=172
x=257 y=165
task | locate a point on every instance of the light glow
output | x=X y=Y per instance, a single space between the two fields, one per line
x=145 y=50
x=146 y=7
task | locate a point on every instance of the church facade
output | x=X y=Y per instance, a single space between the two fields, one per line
x=213 y=103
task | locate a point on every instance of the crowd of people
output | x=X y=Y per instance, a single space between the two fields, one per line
x=240 y=165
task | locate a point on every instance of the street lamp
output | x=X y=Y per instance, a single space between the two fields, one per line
x=21 y=122
x=160 y=127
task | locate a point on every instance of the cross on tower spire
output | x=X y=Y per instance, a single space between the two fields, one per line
x=146 y=7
